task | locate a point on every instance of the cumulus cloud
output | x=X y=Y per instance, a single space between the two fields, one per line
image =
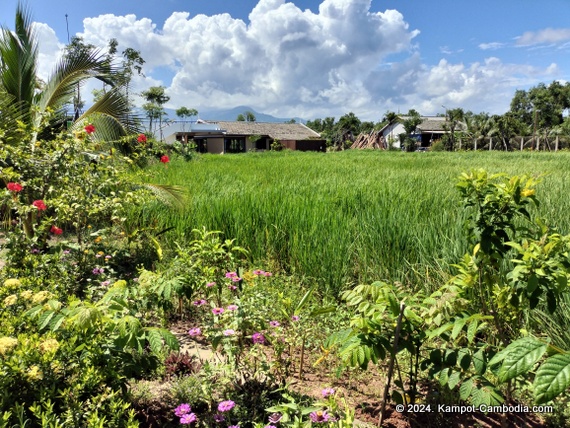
x=547 y=35
x=49 y=49
x=292 y=62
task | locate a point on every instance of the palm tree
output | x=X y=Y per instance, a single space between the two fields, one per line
x=19 y=81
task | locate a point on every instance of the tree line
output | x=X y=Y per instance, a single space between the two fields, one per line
x=540 y=113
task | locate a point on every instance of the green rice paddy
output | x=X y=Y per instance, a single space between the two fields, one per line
x=342 y=218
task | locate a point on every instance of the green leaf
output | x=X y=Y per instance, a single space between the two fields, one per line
x=325 y=310
x=520 y=357
x=457 y=327
x=454 y=380
x=472 y=330
x=465 y=389
x=154 y=339
x=45 y=318
x=304 y=299
x=552 y=378
x=479 y=362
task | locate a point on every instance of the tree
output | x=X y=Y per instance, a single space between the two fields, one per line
x=454 y=117
x=34 y=102
x=184 y=112
x=411 y=122
x=506 y=126
x=240 y=118
x=75 y=49
x=346 y=129
x=156 y=98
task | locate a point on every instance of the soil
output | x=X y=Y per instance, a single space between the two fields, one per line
x=363 y=392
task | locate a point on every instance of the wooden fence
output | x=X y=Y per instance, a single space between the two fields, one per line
x=538 y=143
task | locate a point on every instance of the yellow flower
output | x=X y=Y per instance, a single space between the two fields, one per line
x=85 y=251
x=12 y=283
x=89 y=227
x=49 y=346
x=41 y=296
x=26 y=294
x=98 y=239
x=34 y=373
x=10 y=300
x=100 y=253
x=527 y=192
x=7 y=344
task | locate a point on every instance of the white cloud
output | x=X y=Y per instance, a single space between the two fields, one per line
x=290 y=62
x=547 y=35
x=49 y=49
x=491 y=46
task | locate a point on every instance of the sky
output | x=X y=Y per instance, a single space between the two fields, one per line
x=319 y=58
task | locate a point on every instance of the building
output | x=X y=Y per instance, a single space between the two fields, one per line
x=238 y=137
x=432 y=128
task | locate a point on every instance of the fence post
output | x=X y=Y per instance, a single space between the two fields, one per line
x=491 y=143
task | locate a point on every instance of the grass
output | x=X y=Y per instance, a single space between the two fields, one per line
x=342 y=218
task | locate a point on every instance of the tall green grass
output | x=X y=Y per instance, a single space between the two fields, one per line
x=341 y=218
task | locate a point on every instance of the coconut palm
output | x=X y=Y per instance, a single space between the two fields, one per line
x=36 y=100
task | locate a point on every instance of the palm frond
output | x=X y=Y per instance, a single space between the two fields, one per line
x=10 y=114
x=18 y=60
x=167 y=194
x=71 y=71
x=111 y=117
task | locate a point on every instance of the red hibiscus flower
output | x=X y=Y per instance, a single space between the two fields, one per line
x=90 y=129
x=56 y=230
x=14 y=187
x=141 y=138
x=165 y=159
x=40 y=205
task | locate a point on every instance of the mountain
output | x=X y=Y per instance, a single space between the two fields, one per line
x=232 y=114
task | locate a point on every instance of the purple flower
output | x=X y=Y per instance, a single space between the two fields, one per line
x=108 y=257
x=188 y=419
x=196 y=331
x=231 y=274
x=327 y=391
x=232 y=308
x=219 y=418
x=267 y=274
x=232 y=287
x=320 y=416
x=258 y=338
x=66 y=251
x=274 y=323
x=295 y=318
x=183 y=409
x=105 y=283
x=229 y=332
x=258 y=272
x=218 y=311
x=233 y=426
x=35 y=251
x=236 y=279
x=226 y=406
x=275 y=417
x=269 y=426
x=210 y=284
x=97 y=271
x=199 y=302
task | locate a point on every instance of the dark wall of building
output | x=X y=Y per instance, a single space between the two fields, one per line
x=305 y=145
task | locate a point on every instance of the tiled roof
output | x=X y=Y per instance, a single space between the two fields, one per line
x=434 y=124
x=280 y=131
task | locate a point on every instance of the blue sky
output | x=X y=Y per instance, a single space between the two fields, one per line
x=317 y=58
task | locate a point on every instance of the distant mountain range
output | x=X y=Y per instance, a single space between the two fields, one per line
x=232 y=114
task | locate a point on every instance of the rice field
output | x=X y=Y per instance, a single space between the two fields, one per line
x=342 y=218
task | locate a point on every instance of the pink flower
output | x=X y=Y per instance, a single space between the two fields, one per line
x=218 y=311
x=165 y=159
x=56 y=230
x=320 y=416
x=105 y=283
x=141 y=138
x=232 y=287
x=267 y=274
x=90 y=129
x=258 y=272
x=327 y=392
x=229 y=332
x=232 y=308
x=210 y=284
x=231 y=274
x=274 y=323
x=196 y=331
x=183 y=409
x=258 y=338
x=14 y=187
x=188 y=418
x=295 y=318
x=39 y=204
x=236 y=279
x=199 y=302
x=226 y=406
x=219 y=418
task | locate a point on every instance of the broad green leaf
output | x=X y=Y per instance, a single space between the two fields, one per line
x=454 y=380
x=457 y=327
x=479 y=362
x=170 y=339
x=520 y=357
x=465 y=389
x=45 y=318
x=552 y=378
x=154 y=339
